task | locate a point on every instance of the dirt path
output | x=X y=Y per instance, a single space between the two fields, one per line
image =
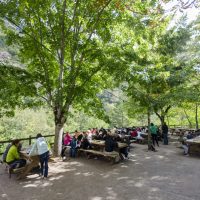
x=163 y=175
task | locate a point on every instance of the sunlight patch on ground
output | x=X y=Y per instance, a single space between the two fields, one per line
x=124 y=166
x=161 y=157
x=111 y=194
x=139 y=184
x=154 y=189
x=30 y=185
x=56 y=178
x=88 y=173
x=4 y=196
x=159 y=178
x=96 y=198
x=122 y=178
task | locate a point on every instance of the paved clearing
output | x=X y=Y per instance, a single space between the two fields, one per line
x=163 y=175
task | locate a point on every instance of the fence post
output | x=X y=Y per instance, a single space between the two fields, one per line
x=29 y=140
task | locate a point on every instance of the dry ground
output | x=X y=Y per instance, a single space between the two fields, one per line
x=163 y=175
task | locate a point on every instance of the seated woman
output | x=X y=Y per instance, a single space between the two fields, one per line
x=13 y=156
x=67 y=139
x=66 y=142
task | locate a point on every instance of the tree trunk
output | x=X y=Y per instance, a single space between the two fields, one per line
x=196 y=116
x=58 y=139
x=162 y=118
x=168 y=120
x=149 y=134
x=59 y=123
x=190 y=124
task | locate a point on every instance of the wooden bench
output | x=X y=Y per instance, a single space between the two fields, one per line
x=12 y=171
x=133 y=140
x=110 y=155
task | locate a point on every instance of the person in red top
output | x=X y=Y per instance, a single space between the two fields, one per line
x=67 y=139
x=134 y=133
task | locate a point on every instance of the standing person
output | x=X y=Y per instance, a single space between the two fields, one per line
x=165 y=133
x=40 y=148
x=153 y=131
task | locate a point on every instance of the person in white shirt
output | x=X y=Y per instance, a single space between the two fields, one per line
x=40 y=148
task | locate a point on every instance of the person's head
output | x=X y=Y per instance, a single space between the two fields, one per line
x=39 y=135
x=67 y=133
x=16 y=142
x=165 y=123
x=152 y=124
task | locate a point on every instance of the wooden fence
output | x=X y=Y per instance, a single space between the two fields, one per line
x=29 y=139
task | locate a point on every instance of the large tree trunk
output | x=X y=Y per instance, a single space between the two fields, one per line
x=196 y=116
x=58 y=139
x=149 y=134
x=162 y=118
x=162 y=115
x=59 y=123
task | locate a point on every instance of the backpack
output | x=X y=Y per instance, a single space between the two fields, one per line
x=5 y=153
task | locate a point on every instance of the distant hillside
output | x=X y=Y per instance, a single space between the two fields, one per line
x=8 y=54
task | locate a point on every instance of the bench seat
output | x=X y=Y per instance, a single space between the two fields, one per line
x=112 y=155
x=13 y=171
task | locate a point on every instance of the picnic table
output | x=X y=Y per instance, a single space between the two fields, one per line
x=194 y=145
x=98 y=149
x=101 y=144
x=34 y=162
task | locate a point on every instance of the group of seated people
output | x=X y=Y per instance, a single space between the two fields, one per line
x=187 y=136
x=14 y=157
x=84 y=140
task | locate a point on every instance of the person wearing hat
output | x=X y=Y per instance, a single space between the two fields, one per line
x=40 y=148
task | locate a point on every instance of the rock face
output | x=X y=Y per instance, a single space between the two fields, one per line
x=4 y=56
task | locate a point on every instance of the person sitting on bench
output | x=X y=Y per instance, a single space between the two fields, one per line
x=85 y=144
x=13 y=156
x=111 y=145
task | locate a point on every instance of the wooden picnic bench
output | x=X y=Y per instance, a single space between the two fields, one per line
x=110 y=155
x=12 y=171
x=99 y=150
x=194 y=146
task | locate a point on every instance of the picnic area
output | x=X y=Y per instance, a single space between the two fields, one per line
x=99 y=99
x=163 y=175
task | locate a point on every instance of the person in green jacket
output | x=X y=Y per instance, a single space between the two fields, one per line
x=153 y=131
x=13 y=156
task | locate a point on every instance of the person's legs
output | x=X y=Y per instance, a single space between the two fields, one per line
x=165 y=139
x=153 y=139
x=63 y=152
x=156 y=139
x=73 y=152
x=185 y=147
x=46 y=167
x=42 y=166
x=17 y=164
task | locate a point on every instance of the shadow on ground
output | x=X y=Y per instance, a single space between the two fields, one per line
x=162 y=175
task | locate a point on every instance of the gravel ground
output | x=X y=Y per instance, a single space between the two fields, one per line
x=162 y=175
